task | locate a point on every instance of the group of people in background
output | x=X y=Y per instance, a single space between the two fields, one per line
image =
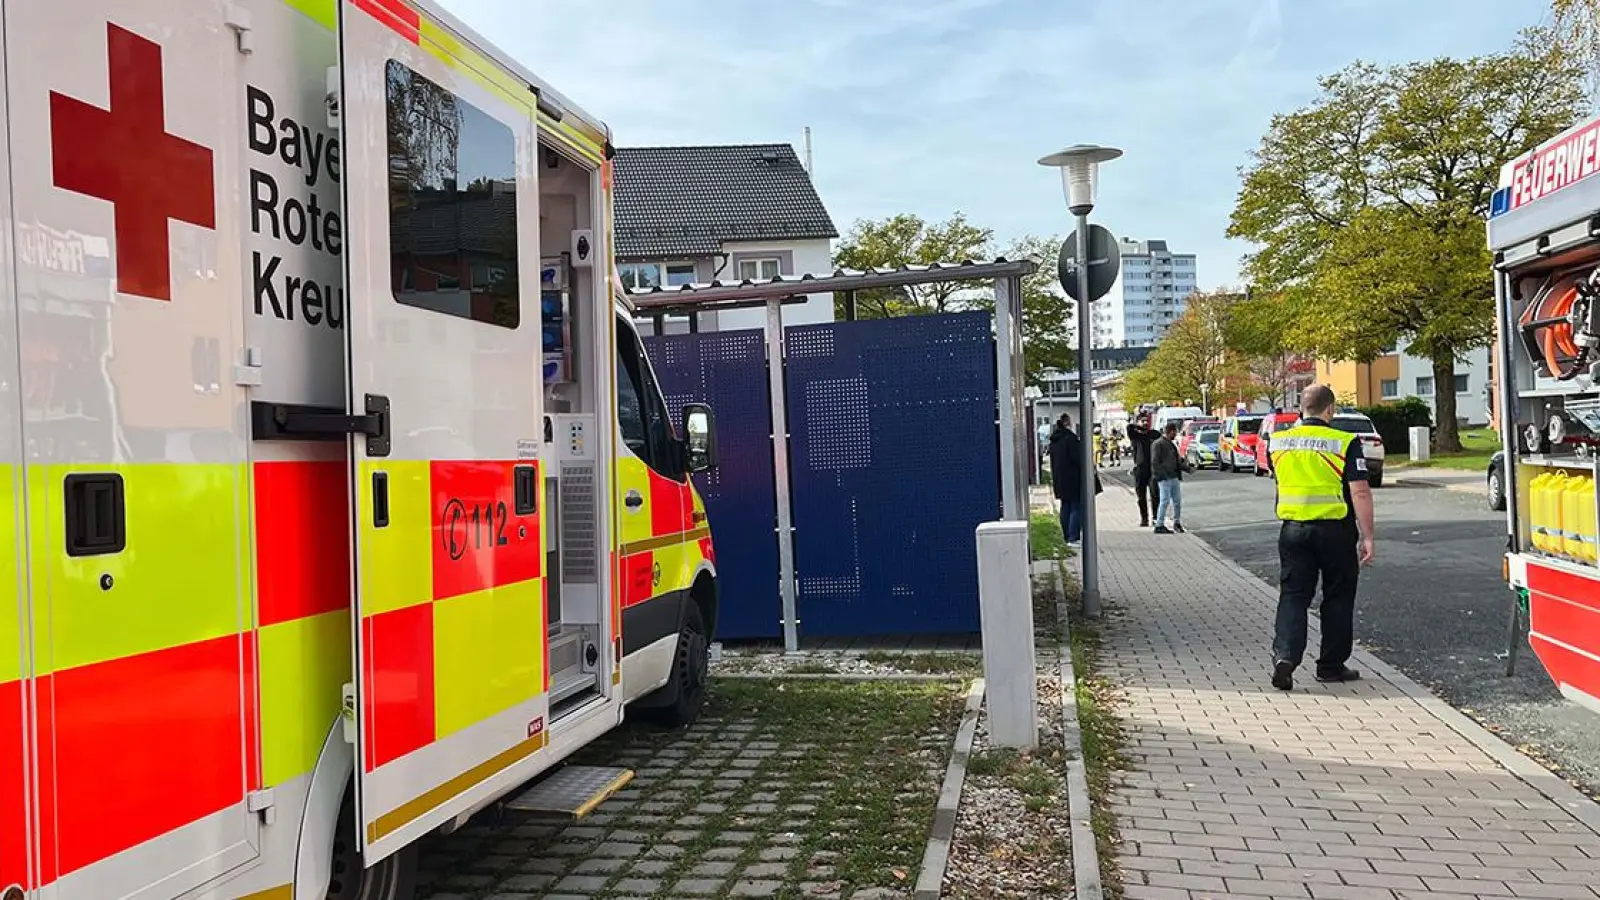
x=1158 y=471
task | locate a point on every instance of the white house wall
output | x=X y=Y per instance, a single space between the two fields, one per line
x=813 y=257
x=1472 y=405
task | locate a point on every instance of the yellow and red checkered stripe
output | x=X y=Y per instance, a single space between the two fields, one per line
x=453 y=603
x=139 y=662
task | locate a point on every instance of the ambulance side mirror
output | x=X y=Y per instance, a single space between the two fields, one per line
x=700 y=436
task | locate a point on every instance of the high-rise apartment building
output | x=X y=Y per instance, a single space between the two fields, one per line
x=1150 y=294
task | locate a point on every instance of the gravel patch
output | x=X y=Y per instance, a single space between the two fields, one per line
x=1014 y=830
x=884 y=664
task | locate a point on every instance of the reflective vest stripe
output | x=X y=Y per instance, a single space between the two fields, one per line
x=1303 y=442
x=1310 y=499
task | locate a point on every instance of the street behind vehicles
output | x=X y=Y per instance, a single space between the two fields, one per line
x=341 y=496
x=1371 y=442
x=1236 y=449
x=1202 y=451
x=1193 y=427
x=1270 y=423
x=1546 y=258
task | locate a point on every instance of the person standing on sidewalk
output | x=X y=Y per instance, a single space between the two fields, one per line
x=1140 y=437
x=1066 y=477
x=1166 y=469
x=1322 y=496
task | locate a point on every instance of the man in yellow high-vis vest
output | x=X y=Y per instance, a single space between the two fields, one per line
x=1326 y=508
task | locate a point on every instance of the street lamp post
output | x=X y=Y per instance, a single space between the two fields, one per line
x=1080 y=166
x=1205 y=398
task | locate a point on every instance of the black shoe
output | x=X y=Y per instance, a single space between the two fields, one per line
x=1342 y=674
x=1177 y=527
x=1283 y=675
x=1144 y=523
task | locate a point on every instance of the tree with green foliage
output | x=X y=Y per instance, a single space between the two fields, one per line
x=1048 y=331
x=907 y=240
x=1366 y=208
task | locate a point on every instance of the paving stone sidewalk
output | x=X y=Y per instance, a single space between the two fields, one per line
x=1362 y=790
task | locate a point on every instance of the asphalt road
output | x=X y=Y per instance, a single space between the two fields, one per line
x=1433 y=605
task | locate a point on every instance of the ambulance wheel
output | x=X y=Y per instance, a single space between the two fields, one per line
x=394 y=878
x=690 y=662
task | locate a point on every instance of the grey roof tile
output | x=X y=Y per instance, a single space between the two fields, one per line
x=688 y=201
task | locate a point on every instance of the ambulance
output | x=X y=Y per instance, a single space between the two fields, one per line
x=340 y=497
x=1544 y=233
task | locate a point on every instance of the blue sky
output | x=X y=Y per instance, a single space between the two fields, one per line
x=930 y=106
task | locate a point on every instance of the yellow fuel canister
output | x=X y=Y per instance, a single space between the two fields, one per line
x=1574 y=489
x=1539 y=524
x=1578 y=515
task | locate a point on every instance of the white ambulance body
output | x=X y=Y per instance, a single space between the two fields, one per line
x=342 y=499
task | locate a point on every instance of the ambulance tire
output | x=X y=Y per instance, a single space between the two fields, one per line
x=685 y=690
x=395 y=878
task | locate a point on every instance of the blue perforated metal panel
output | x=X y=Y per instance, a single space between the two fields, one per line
x=895 y=463
x=728 y=371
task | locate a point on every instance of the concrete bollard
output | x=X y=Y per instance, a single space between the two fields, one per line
x=1005 y=608
x=1421 y=447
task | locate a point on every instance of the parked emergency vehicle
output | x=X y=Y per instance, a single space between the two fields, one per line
x=1545 y=239
x=343 y=499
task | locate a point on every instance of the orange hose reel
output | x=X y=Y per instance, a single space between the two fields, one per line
x=1549 y=325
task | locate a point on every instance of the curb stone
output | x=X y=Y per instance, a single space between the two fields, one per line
x=1554 y=788
x=930 y=880
x=1085 y=866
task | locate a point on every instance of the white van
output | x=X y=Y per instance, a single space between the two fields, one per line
x=1177 y=414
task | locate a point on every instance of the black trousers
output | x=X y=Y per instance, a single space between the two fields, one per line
x=1144 y=489
x=1307 y=551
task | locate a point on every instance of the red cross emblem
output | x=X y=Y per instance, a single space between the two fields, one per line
x=125 y=155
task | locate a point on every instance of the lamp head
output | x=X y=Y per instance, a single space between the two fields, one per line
x=1080 y=165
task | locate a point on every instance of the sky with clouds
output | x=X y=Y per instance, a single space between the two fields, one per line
x=932 y=106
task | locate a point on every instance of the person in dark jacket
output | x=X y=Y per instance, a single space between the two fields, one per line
x=1141 y=436
x=1066 y=476
x=1166 y=469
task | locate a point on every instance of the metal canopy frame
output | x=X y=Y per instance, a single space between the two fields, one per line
x=776 y=293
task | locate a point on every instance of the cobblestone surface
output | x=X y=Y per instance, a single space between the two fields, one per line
x=729 y=808
x=1331 y=791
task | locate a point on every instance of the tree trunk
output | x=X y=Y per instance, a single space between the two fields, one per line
x=1446 y=439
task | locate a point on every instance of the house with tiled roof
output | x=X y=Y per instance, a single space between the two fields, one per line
x=688 y=215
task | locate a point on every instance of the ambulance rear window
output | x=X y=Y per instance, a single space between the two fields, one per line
x=452 y=203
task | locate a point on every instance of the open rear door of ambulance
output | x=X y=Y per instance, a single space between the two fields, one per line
x=441 y=250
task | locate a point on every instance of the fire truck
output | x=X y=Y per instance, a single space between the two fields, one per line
x=341 y=498
x=1544 y=233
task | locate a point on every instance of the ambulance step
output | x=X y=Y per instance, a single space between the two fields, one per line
x=571 y=792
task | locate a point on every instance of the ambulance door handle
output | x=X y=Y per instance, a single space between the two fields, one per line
x=633 y=500
x=380 y=499
x=524 y=489
x=97 y=520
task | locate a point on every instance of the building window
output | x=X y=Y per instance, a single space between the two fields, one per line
x=1462 y=385
x=452 y=203
x=1425 y=386
x=1390 y=388
x=758 y=269
x=644 y=276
